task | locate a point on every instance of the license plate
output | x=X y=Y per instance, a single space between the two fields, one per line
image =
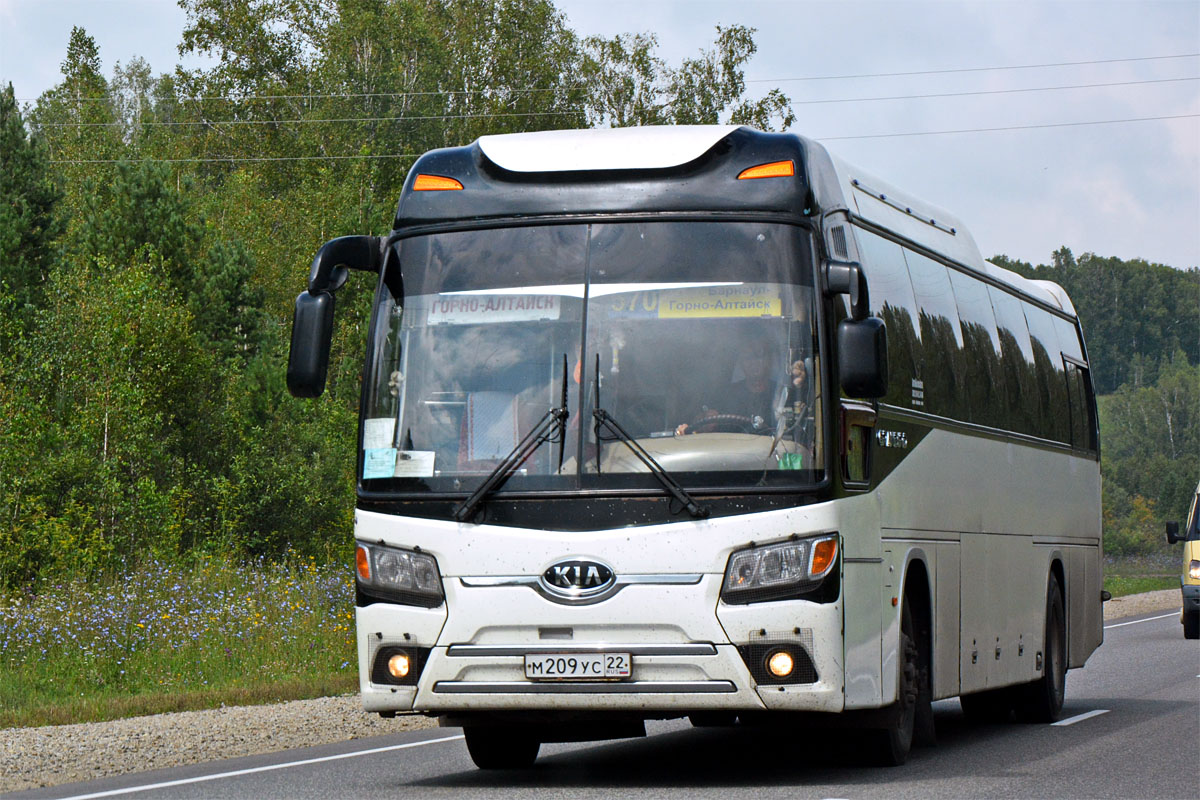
x=577 y=666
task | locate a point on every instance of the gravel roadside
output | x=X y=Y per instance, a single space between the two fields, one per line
x=48 y=756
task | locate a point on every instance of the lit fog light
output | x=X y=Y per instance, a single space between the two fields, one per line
x=781 y=664
x=399 y=665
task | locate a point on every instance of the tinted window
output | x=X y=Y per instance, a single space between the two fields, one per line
x=1079 y=394
x=892 y=301
x=941 y=338
x=1053 y=416
x=983 y=375
x=1016 y=359
x=1068 y=338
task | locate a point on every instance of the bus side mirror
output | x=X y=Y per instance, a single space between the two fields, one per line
x=862 y=357
x=312 y=325
x=312 y=332
x=1172 y=532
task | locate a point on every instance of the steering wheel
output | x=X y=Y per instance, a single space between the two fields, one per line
x=723 y=423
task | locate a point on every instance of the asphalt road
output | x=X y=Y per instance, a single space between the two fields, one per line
x=1130 y=729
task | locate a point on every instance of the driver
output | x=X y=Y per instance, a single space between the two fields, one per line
x=753 y=396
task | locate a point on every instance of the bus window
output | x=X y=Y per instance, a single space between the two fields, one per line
x=892 y=301
x=941 y=338
x=1016 y=357
x=1079 y=395
x=983 y=376
x=1051 y=382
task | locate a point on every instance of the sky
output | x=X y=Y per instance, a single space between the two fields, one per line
x=1005 y=153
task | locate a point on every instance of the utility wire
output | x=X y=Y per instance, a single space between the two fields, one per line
x=968 y=69
x=314 y=120
x=453 y=92
x=226 y=159
x=1005 y=128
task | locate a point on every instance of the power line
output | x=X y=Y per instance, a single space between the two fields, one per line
x=969 y=69
x=504 y=90
x=229 y=159
x=986 y=92
x=314 y=120
x=1006 y=128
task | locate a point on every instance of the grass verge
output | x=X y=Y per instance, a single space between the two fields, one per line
x=169 y=638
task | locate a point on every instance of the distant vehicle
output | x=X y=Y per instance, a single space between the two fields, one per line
x=705 y=422
x=1190 y=579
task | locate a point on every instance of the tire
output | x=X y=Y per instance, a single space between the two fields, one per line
x=1191 y=625
x=1042 y=700
x=501 y=748
x=890 y=746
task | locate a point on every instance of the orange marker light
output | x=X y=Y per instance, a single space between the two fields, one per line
x=435 y=183
x=776 y=169
x=362 y=563
x=823 y=555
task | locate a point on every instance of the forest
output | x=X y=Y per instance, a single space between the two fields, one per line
x=155 y=229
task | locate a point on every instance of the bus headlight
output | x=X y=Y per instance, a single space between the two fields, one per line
x=397 y=576
x=780 y=571
x=1194 y=570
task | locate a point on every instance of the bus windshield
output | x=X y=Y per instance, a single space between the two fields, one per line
x=697 y=338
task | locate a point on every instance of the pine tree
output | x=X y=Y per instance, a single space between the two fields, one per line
x=28 y=199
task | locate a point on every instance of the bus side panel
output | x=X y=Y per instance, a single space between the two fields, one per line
x=858 y=520
x=946 y=612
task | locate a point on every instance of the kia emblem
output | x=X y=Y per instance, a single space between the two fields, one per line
x=578 y=578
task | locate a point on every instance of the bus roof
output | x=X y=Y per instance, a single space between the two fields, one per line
x=673 y=168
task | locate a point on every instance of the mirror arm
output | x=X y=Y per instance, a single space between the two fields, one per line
x=846 y=277
x=337 y=257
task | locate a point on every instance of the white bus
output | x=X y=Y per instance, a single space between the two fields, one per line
x=704 y=422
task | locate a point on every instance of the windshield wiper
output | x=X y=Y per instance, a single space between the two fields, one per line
x=605 y=420
x=551 y=427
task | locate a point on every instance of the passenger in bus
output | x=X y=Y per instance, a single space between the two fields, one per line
x=749 y=403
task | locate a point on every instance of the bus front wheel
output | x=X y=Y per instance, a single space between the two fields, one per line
x=501 y=748
x=890 y=746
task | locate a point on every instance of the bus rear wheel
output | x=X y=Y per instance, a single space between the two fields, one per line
x=501 y=748
x=1042 y=700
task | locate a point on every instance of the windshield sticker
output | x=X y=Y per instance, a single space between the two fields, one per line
x=479 y=309
x=379 y=463
x=378 y=433
x=414 y=464
x=748 y=300
x=719 y=300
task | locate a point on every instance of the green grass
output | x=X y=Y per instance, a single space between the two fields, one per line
x=171 y=638
x=1146 y=573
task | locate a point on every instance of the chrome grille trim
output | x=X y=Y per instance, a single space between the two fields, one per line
x=487 y=650
x=592 y=687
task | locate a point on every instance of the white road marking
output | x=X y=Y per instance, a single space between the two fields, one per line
x=268 y=768
x=1136 y=621
x=1062 y=723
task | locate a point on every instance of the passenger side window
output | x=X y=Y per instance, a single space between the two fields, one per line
x=1016 y=358
x=941 y=337
x=1054 y=418
x=983 y=374
x=893 y=302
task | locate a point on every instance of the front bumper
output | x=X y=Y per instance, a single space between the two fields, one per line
x=682 y=640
